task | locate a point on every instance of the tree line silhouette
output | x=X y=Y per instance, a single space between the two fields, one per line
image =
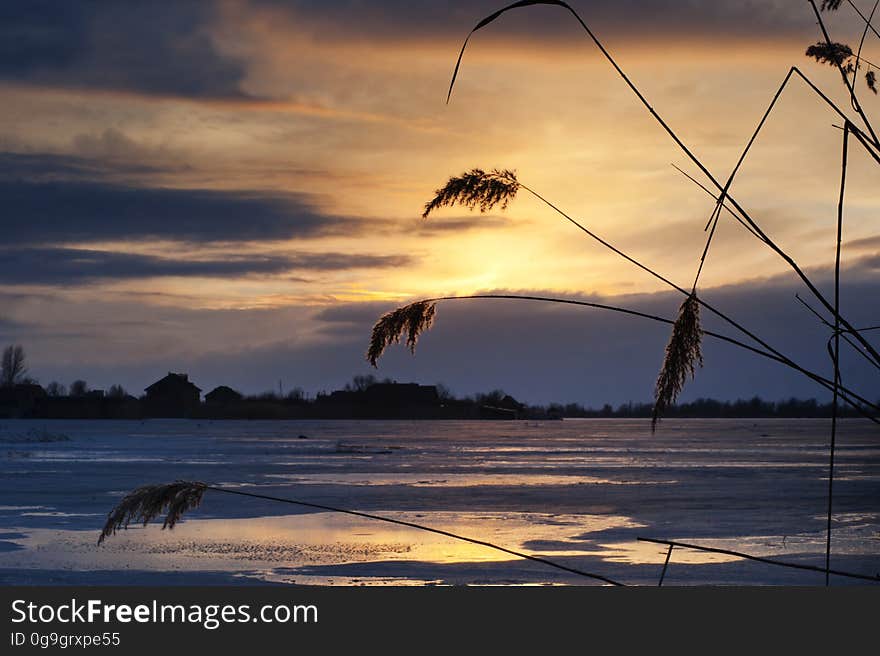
x=364 y=397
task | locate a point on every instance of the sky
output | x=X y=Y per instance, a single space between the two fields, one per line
x=233 y=189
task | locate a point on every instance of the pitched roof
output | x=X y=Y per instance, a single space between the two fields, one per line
x=223 y=391
x=172 y=381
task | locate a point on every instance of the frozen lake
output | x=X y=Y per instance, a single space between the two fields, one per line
x=576 y=492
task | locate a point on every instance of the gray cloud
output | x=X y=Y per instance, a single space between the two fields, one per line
x=67 y=266
x=49 y=198
x=653 y=19
x=865 y=244
x=475 y=221
x=339 y=261
x=167 y=48
x=52 y=198
x=9 y=327
x=47 y=167
x=145 y=47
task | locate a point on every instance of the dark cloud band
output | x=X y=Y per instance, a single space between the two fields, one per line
x=72 y=266
x=79 y=211
x=144 y=47
x=167 y=48
x=618 y=19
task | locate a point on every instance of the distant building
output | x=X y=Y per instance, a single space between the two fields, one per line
x=387 y=395
x=172 y=396
x=382 y=400
x=402 y=394
x=223 y=395
x=506 y=407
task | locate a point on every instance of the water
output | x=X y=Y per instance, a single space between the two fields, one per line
x=576 y=492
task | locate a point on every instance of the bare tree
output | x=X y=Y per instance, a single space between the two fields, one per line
x=493 y=398
x=117 y=392
x=361 y=383
x=12 y=368
x=296 y=394
x=56 y=389
x=79 y=388
x=444 y=393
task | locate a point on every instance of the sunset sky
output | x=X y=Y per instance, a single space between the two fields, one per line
x=234 y=189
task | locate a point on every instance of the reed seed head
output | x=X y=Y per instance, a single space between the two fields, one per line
x=840 y=54
x=476 y=188
x=833 y=54
x=683 y=354
x=412 y=319
x=147 y=502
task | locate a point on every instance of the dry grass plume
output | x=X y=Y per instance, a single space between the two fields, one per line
x=412 y=319
x=840 y=54
x=833 y=54
x=683 y=354
x=150 y=501
x=476 y=188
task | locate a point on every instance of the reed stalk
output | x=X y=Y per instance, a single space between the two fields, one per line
x=836 y=352
x=870 y=76
x=466 y=188
x=672 y=134
x=845 y=337
x=681 y=290
x=148 y=502
x=854 y=400
x=843 y=73
x=716 y=213
x=760 y=559
x=868 y=24
x=683 y=350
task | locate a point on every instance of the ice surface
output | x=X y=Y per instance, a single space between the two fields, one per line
x=577 y=492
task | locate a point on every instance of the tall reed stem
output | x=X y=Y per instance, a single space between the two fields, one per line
x=856 y=401
x=420 y=527
x=716 y=214
x=759 y=559
x=854 y=100
x=862 y=45
x=745 y=331
x=845 y=337
x=694 y=159
x=836 y=352
x=866 y=20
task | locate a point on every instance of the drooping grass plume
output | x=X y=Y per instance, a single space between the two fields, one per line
x=476 y=188
x=683 y=353
x=859 y=403
x=841 y=56
x=870 y=76
x=833 y=54
x=148 y=502
x=412 y=319
x=845 y=72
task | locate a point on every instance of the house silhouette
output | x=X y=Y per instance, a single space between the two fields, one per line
x=172 y=396
x=223 y=395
